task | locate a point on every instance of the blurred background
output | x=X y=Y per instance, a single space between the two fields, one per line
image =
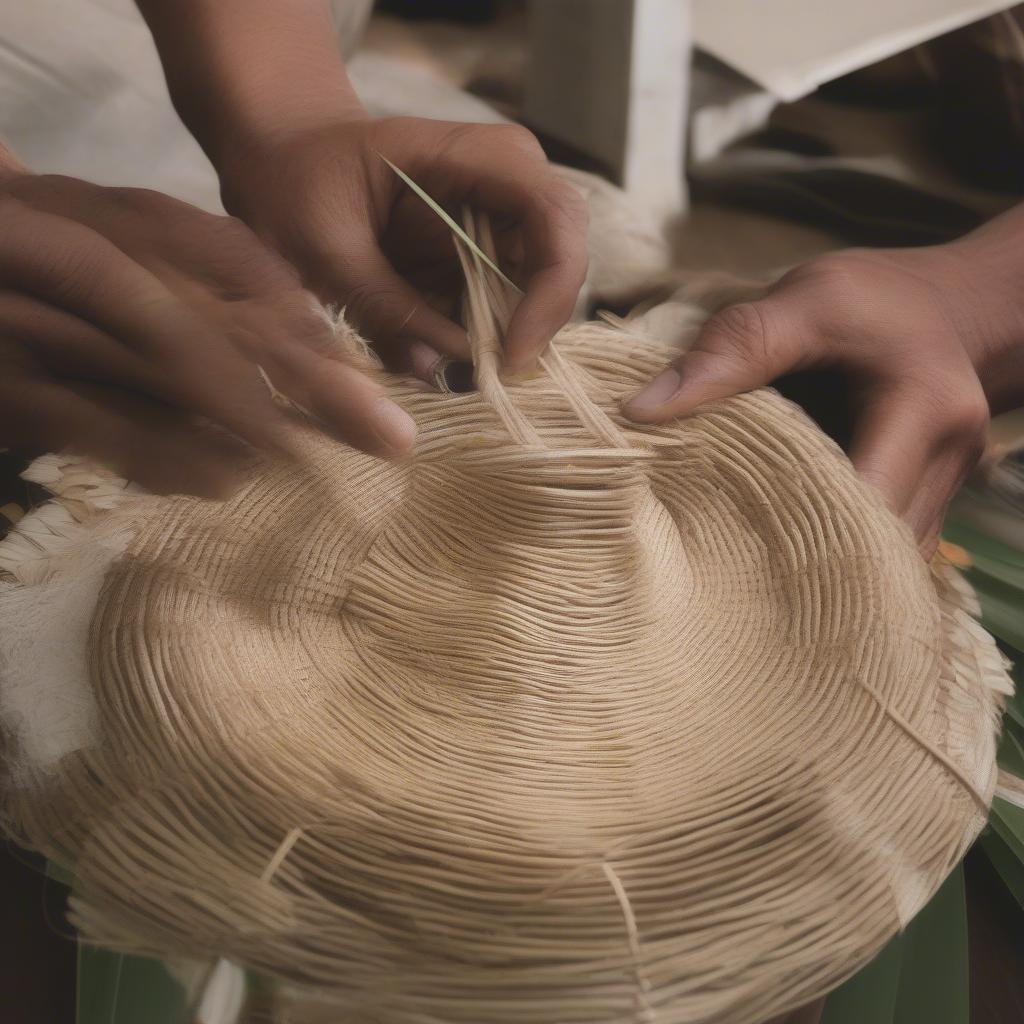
x=731 y=137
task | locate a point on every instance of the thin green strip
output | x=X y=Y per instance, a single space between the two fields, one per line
x=443 y=214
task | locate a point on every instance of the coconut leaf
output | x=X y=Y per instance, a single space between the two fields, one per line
x=1011 y=751
x=114 y=988
x=920 y=977
x=997 y=575
x=59 y=874
x=991 y=556
x=1008 y=866
x=1002 y=607
x=1015 y=705
x=449 y=221
x=1008 y=822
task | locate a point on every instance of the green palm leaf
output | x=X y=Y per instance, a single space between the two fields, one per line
x=115 y=988
x=920 y=977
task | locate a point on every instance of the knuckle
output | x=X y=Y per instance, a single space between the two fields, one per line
x=359 y=296
x=130 y=198
x=73 y=269
x=367 y=305
x=310 y=328
x=233 y=227
x=477 y=137
x=737 y=332
x=835 y=280
x=966 y=420
x=290 y=359
x=567 y=202
x=149 y=198
x=514 y=135
x=956 y=415
x=41 y=191
x=837 y=268
x=74 y=276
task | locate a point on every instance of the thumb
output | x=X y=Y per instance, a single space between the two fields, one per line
x=386 y=308
x=740 y=348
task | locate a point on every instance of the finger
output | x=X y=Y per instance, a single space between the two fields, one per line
x=386 y=308
x=928 y=544
x=345 y=402
x=927 y=506
x=74 y=268
x=299 y=351
x=156 y=446
x=917 y=449
x=412 y=357
x=72 y=347
x=555 y=265
x=892 y=447
x=456 y=376
x=502 y=170
x=740 y=348
x=959 y=444
x=941 y=480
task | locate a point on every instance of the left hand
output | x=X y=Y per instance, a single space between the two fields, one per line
x=325 y=199
x=131 y=323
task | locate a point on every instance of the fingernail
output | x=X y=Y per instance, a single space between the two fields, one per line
x=454 y=375
x=392 y=426
x=657 y=392
x=423 y=360
x=518 y=375
x=522 y=368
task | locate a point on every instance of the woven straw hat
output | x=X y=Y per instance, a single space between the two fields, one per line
x=560 y=720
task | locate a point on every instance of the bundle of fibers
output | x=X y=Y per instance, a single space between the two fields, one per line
x=561 y=719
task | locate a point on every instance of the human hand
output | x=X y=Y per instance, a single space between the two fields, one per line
x=925 y=337
x=326 y=200
x=129 y=321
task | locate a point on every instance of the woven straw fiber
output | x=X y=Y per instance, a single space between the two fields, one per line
x=559 y=720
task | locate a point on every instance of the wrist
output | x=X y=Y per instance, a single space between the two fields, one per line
x=248 y=75
x=986 y=298
x=257 y=167
x=251 y=137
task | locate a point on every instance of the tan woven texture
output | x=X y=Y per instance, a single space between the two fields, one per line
x=559 y=720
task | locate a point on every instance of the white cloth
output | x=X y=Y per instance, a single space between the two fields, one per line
x=82 y=93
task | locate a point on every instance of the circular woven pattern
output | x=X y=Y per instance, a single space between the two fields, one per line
x=563 y=731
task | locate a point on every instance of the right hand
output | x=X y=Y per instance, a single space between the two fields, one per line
x=131 y=322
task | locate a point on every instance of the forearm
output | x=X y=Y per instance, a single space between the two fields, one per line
x=246 y=73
